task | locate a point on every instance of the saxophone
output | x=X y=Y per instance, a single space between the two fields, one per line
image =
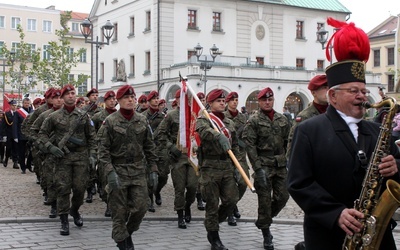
x=377 y=210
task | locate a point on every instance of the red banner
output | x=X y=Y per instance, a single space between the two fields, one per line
x=7 y=97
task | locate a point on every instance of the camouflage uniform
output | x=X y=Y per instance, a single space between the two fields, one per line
x=125 y=146
x=266 y=142
x=217 y=172
x=71 y=170
x=182 y=173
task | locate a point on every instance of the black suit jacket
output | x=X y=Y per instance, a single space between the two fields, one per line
x=7 y=129
x=325 y=175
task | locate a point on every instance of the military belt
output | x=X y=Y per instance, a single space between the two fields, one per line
x=127 y=160
x=216 y=157
x=78 y=149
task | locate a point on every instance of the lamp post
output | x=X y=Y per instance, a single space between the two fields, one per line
x=322 y=37
x=4 y=64
x=206 y=64
x=87 y=30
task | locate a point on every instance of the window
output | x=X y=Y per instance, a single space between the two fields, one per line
x=15 y=47
x=390 y=52
x=75 y=27
x=115 y=67
x=14 y=22
x=132 y=21
x=191 y=53
x=299 y=30
x=147 y=69
x=47 y=26
x=71 y=78
x=299 y=63
x=377 y=58
x=82 y=58
x=148 y=21
x=70 y=53
x=390 y=83
x=101 y=72
x=192 y=19
x=319 y=27
x=320 y=65
x=1 y=49
x=46 y=53
x=82 y=89
x=260 y=60
x=115 y=36
x=31 y=24
x=2 y=22
x=33 y=48
x=132 y=68
x=217 y=21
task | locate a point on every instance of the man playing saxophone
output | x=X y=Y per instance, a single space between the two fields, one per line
x=330 y=152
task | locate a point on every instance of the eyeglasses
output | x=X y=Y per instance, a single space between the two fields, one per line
x=355 y=91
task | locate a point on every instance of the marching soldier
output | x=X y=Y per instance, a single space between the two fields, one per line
x=98 y=118
x=142 y=104
x=239 y=119
x=125 y=150
x=265 y=135
x=216 y=169
x=93 y=96
x=71 y=172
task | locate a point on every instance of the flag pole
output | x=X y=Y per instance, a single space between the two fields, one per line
x=233 y=157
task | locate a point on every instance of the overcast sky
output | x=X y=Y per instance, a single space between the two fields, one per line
x=366 y=13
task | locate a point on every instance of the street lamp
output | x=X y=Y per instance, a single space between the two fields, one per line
x=4 y=64
x=205 y=63
x=86 y=30
x=322 y=37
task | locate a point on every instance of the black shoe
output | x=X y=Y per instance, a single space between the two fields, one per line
x=268 y=245
x=89 y=198
x=158 y=199
x=78 y=221
x=181 y=221
x=125 y=244
x=129 y=242
x=15 y=165
x=236 y=212
x=188 y=214
x=64 y=224
x=30 y=169
x=215 y=241
x=93 y=190
x=107 y=213
x=37 y=180
x=151 y=208
x=200 y=203
x=300 y=246
x=231 y=220
x=53 y=211
x=23 y=172
x=5 y=162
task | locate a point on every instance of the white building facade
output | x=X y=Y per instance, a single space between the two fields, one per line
x=261 y=44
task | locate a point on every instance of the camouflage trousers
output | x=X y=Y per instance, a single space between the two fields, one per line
x=37 y=161
x=102 y=182
x=272 y=199
x=184 y=178
x=128 y=206
x=48 y=170
x=242 y=186
x=216 y=184
x=71 y=173
x=163 y=166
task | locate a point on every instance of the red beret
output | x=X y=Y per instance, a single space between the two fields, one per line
x=43 y=101
x=174 y=103
x=56 y=92
x=265 y=93
x=142 y=99
x=153 y=94
x=109 y=94
x=215 y=94
x=231 y=96
x=178 y=93
x=317 y=81
x=92 y=91
x=162 y=101
x=37 y=101
x=48 y=93
x=201 y=95
x=80 y=100
x=66 y=89
x=125 y=90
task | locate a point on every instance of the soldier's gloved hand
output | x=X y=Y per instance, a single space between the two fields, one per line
x=56 y=151
x=153 y=178
x=261 y=178
x=175 y=152
x=113 y=180
x=238 y=176
x=224 y=142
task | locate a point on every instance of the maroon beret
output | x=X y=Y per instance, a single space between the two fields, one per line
x=37 y=101
x=178 y=93
x=231 y=96
x=125 y=90
x=56 y=92
x=174 y=103
x=162 y=101
x=48 y=93
x=142 y=99
x=109 y=94
x=153 y=94
x=43 y=101
x=66 y=89
x=215 y=94
x=201 y=95
x=92 y=91
x=265 y=93
x=80 y=100
x=317 y=81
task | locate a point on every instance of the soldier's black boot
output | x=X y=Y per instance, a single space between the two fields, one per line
x=268 y=245
x=158 y=198
x=89 y=198
x=130 y=243
x=15 y=165
x=5 y=162
x=78 y=221
x=188 y=213
x=123 y=245
x=231 y=220
x=200 y=203
x=53 y=210
x=215 y=241
x=236 y=212
x=64 y=224
x=181 y=221
x=151 y=205
x=45 y=198
x=300 y=246
x=107 y=213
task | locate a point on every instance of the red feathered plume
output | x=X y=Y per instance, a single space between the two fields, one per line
x=350 y=43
